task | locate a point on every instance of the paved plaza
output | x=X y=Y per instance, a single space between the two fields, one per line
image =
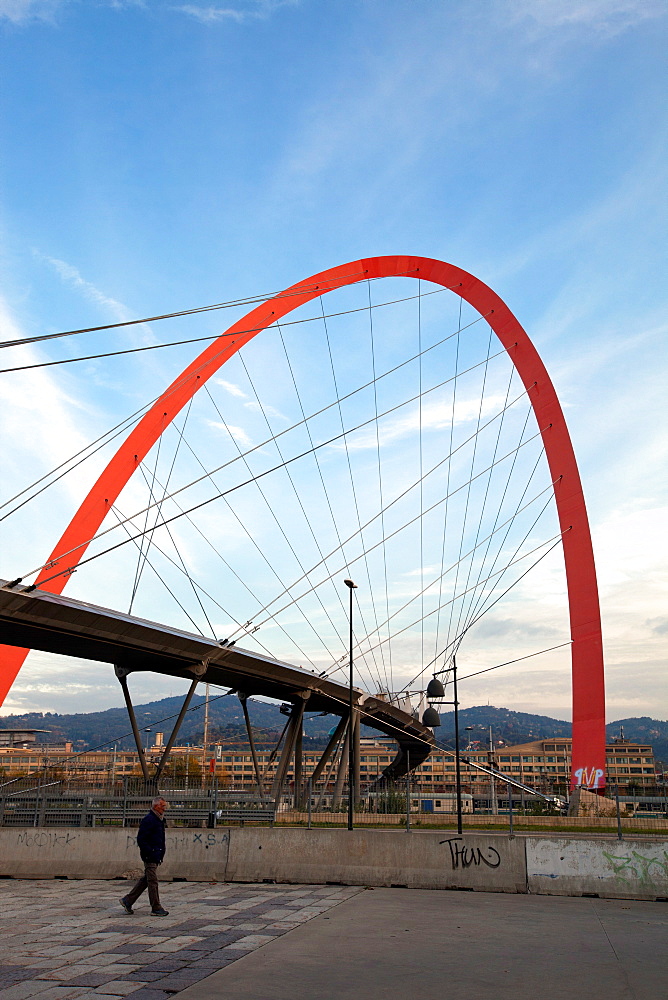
x=62 y=940
x=71 y=939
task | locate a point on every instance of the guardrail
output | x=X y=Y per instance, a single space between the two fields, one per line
x=390 y=804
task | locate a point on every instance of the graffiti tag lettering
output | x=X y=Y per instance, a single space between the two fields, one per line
x=637 y=867
x=467 y=856
x=175 y=840
x=45 y=838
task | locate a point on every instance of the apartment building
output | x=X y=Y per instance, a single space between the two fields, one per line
x=542 y=764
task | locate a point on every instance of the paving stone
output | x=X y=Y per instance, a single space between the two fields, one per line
x=164 y=966
x=146 y=993
x=180 y=980
x=22 y=991
x=62 y=993
x=143 y=977
x=140 y=957
x=251 y=941
x=127 y=949
x=118 y=988
x=213 y=928
x=174 y=944
x=93 y=979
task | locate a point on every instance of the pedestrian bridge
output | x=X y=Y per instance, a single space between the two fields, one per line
x=37 y=619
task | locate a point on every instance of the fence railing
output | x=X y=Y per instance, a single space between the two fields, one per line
x=384 y=803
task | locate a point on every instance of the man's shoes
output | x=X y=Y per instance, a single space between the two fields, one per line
x=162 y=912
x=126 y=906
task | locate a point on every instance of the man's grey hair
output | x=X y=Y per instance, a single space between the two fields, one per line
x=158 y=798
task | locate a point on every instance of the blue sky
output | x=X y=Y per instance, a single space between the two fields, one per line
x=156 y=156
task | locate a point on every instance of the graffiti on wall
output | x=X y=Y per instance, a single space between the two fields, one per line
x=462 y=856
x=45 y=838
x=636 y=867
x=186 y=839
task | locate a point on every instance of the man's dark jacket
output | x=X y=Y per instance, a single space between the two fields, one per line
x=151 y=838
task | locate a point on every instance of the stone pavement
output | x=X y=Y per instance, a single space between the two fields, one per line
x=61 y=940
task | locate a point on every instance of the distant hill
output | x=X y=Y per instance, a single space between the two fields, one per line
x=89 y=729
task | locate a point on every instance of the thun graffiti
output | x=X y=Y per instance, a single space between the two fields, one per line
x=461 y=855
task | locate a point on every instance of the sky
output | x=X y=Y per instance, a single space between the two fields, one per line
x=158 y=156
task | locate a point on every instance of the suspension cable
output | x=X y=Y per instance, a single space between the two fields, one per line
x=179 y=383
x=232 y=303
x=366 y=551
x=450 y=568
x=555 y=539
x=295 y=458
x=176 y=343
x=351 y=478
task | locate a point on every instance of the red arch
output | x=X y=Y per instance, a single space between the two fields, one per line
x=588 y=757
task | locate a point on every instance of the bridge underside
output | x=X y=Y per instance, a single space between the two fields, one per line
x=55 y=624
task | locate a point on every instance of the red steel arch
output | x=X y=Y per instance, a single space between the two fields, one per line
x=588 y=756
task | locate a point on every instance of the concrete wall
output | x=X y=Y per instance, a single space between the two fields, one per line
x=627 y=869
x=111 y=853
x=561 y=866
x=420 y=860
x=364 y=857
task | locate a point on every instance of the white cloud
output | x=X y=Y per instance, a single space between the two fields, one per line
x=71 y=276
x=23 y=11
x=238 y=433
x=232 y=388
x=255 y=10
x=609 y=17
x=41 y=425
x=270 y=411
x=435 y=416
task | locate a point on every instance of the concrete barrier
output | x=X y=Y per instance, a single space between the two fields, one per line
x=627 y=869
x=420 y=860
x=362 y=857
x=425 y=859
x=200 y=855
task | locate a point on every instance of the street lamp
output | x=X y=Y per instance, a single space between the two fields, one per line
x=435 y=690
x=351 y=776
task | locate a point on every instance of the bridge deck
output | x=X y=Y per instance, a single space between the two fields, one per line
x=56 y=624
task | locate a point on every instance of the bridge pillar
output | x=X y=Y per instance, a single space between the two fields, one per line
x=327 y=752
x=122 y=675
x=299 y=761
x=243 y=698
x=175 y=731
x=355 y=763
x=341 y=773
x=295 y=724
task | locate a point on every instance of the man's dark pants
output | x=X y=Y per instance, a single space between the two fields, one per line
x=148 y=880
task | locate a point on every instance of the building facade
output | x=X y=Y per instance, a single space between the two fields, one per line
x=542 y=765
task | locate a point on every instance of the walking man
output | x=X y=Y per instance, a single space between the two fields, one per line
x=151 y=843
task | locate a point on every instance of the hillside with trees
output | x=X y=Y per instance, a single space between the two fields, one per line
x=92 y=729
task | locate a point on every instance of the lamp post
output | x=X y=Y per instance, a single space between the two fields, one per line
x=351 y=776
x=492 y=765
x=431 y=718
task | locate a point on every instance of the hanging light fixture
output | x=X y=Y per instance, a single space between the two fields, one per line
x=435 y=688
x=431 y=718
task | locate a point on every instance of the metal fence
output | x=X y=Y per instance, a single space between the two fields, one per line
x=384 y=803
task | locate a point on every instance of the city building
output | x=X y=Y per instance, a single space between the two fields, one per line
x=543 y=765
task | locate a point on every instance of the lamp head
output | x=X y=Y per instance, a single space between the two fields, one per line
x=431 y=718
x=349 y=583
x=435 y=688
